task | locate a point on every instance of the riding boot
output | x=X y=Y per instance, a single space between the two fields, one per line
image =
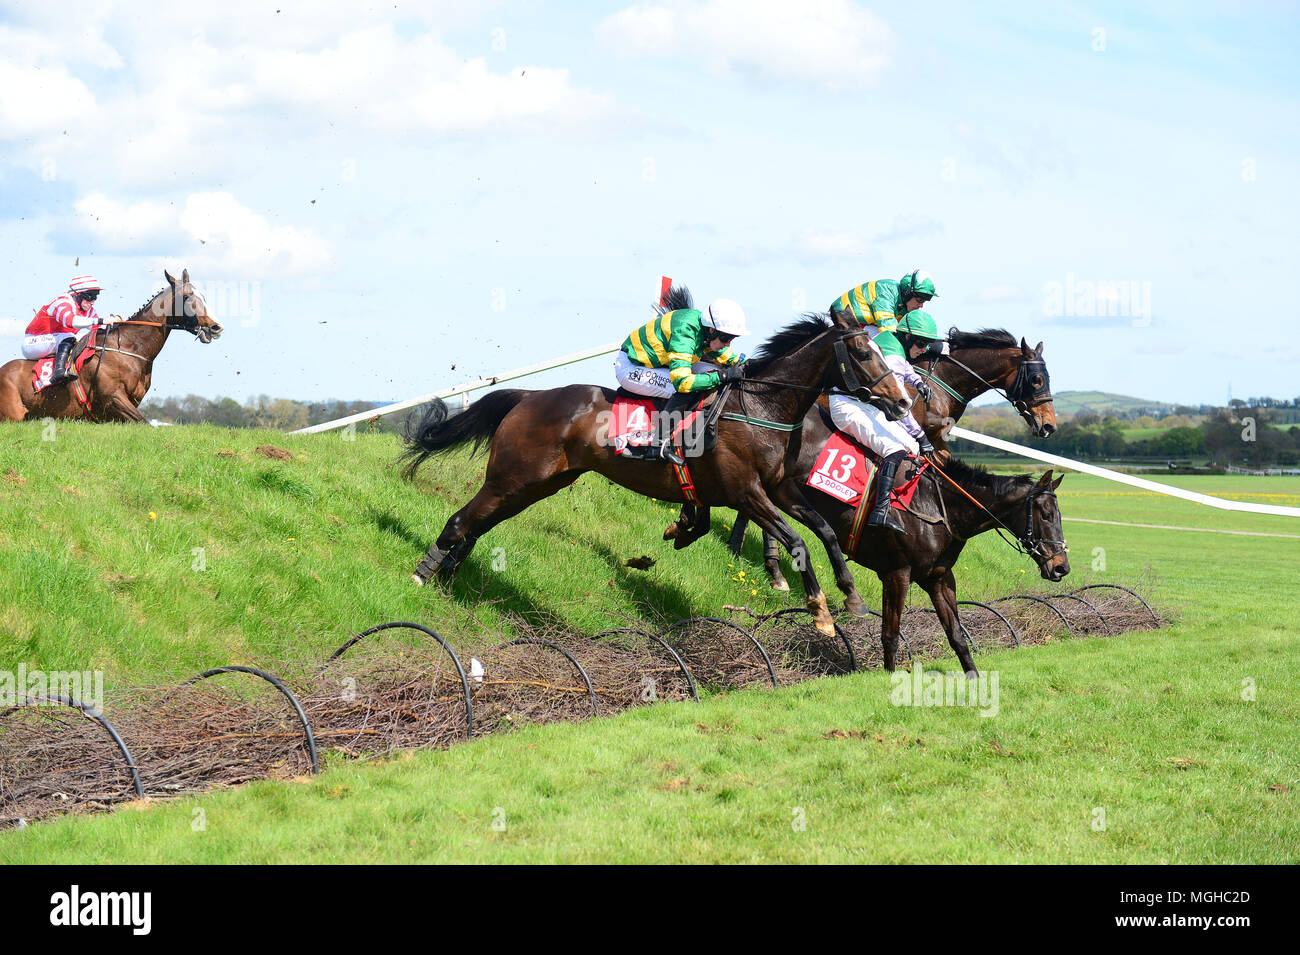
x=880 y=515
x=62 y=361
x=663 y=437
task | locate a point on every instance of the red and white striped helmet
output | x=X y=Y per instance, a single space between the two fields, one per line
x=84 y=283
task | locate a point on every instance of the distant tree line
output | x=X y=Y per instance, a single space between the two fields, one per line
x=1244 y=437
x=262 y=411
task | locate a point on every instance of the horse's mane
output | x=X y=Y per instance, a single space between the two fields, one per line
x=147 y=302
x=802 y=330
x=679 y=296
x=984 y=338
x=971 y=474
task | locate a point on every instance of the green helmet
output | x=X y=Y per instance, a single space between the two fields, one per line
x=918 y=325
x=916 y=282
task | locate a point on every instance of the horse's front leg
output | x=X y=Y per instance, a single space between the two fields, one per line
x=736 y=542
x=691 y=524
x=894 y=584
x=766 y=515
x=118 y=403
x=943 y=594
x=772 y=563
x=790 y=499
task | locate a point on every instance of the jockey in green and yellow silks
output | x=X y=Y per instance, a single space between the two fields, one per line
x=680 y=339
x=881 y=304
x=680 y=352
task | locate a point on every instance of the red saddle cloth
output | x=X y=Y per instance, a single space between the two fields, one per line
x=631 y=421
x=845 y=469
x=43 y=370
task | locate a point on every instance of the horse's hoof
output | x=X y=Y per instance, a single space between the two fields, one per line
x=826 y=629
x=972 y=674
x=856 y=606
x=419 y=581
x=670 y=532
x=781 y=584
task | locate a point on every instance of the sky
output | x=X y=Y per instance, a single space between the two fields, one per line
x=384 y=200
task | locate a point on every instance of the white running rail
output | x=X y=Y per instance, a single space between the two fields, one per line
x=462 y=389
x=1128 y=479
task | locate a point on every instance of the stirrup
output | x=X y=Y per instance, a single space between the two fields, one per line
x=669 y=453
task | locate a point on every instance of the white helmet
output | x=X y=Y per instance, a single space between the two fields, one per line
x=725 y=316
x=84 y=283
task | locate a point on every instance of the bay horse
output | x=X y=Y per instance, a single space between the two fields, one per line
x=976 y=362
x=542 y=441
x=116 y=379
x=945 y=512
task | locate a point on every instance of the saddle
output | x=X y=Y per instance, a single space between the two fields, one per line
x=43 y=368
x=846 y=470
x=631 y=422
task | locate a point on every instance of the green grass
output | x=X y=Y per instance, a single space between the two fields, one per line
x=1150 y=727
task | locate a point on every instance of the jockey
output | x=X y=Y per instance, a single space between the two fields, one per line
x=879 y=305
x=914 y=336
x=53 y=330
x=693 y=347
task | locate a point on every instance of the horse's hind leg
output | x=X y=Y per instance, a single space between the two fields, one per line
x=895 y=585
x=943 y=594
x=488 y=508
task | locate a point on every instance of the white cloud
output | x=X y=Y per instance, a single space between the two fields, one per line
x=211 y=231
x=123 y=228
x=122 y=112
x=829 y=246
x=241 y=243
x=833 y=43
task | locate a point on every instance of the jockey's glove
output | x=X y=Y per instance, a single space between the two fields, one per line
x=731 y=373
x=923 y=390
x=923 y=442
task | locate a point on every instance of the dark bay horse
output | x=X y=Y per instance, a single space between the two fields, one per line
x=543 y=441
x=939 y=521
x=978 y=362
x=117 y=378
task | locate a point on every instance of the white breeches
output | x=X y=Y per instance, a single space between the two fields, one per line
x=869 y=425
x=42 y=346
x=652 y=382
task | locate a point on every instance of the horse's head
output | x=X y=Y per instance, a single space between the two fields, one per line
x=1043 y=536
x=859 y=369
x=183 y=307
x=1031 y=391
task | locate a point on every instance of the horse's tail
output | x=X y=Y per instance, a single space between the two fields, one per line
x=436 y=433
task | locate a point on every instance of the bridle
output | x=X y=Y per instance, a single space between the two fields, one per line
x=1030 y=541
x=189 y=323
x=1026 y=542
x=1022 y=395
x=846 y=362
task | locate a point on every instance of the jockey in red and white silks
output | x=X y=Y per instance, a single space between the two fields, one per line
x=54 y=329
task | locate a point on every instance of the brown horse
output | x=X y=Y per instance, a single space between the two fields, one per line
x=116 y=379
x=939 y=521
x=543 y=441
x=976 y=362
